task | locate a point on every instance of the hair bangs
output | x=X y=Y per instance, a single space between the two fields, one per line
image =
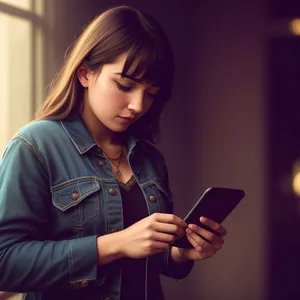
x=149 y=62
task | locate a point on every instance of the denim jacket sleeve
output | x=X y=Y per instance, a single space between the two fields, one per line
x=28 y=260
x=173 y=269
x=165 y=262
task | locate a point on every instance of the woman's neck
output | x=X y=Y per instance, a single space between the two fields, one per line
x=103 y=136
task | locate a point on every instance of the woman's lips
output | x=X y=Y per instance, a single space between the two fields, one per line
x=126 y=120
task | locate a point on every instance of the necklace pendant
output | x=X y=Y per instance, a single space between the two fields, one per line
x=118 y=173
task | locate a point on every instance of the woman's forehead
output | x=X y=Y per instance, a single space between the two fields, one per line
x=135 y=72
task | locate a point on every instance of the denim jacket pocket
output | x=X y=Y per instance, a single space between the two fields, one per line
x=76 y=202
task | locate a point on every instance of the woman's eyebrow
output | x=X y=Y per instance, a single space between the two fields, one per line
x=136 y=79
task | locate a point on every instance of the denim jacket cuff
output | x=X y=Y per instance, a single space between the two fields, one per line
x=83 y=267
x=177 y=270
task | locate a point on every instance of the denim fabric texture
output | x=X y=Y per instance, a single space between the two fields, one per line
x=57 y=195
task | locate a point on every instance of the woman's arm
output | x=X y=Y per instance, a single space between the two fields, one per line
x=171 y=263
x=28 y=261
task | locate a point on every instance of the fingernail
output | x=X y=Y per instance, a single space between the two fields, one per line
x=203 y=219
x=188 y=231
x=193 y=227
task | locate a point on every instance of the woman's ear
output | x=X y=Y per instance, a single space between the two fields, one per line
x=83 y=76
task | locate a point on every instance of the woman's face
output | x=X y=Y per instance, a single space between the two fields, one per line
x=114 y=101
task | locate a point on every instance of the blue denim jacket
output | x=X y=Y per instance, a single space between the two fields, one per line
x=57 y=194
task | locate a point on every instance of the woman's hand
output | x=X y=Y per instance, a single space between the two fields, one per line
x=151 y=235
x=202 y=249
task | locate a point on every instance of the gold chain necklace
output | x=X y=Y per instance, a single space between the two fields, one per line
x=112 y=160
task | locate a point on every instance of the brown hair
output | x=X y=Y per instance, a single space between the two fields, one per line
x=118 y=30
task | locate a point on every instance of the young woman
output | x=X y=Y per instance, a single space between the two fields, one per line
x=85 y=206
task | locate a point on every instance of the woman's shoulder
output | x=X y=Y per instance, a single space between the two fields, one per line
x=40 y=131
x=154 y=149
x=40 y=128
x=36 y=136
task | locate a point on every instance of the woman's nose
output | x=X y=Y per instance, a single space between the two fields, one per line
x=136 y=102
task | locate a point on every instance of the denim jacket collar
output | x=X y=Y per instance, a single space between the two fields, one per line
x=78 y=133
x=82 y=139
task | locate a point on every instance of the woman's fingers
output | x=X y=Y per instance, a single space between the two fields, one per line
x=195 y=243
x=169 y=228
x=214 y=226
x=170 y=218
x=169 y=223
x=162 y=237
x=204 y=238
x=201 y=253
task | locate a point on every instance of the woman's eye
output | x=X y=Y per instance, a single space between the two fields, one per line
x=123 y=88
x=151 y=94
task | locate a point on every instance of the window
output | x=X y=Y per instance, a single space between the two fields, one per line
x=21 y=72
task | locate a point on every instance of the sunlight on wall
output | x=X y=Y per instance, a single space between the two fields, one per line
x=21 y=80
x=4 y=95
x=21 y=73
x=15 y=77
x=23 y=4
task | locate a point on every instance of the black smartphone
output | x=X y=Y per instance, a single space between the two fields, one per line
x=216 y=203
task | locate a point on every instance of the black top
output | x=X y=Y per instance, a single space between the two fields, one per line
x=133 y=270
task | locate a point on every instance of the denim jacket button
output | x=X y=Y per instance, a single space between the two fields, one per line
x=84 y=283
x=75 y=196
x=112 y=191
x=101 y=163
x=115 y=230
x=152 y=198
